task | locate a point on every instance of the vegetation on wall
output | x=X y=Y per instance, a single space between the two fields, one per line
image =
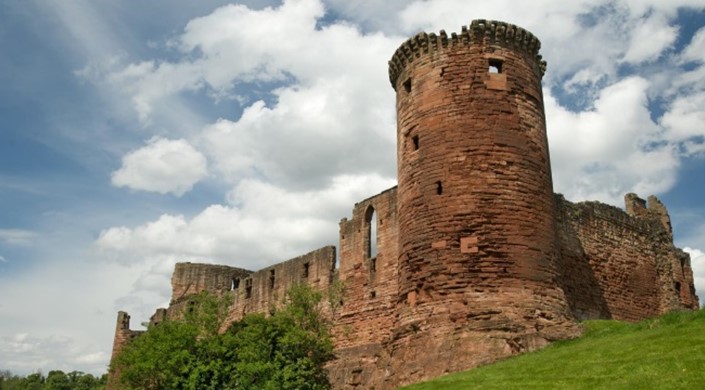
x=286 y=350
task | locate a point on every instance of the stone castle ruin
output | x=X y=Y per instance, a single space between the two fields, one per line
x=474 y=258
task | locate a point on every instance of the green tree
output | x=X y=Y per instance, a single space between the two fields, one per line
x=57 y=380
x=286 y=350
x=32 y=382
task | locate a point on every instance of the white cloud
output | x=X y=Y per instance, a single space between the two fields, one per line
x=684 y=121
x=53 y=323
x=695 y=51
x=262 y=225
x=163 y=166
x=23 y=353
x=611 y=149
x=17 y=236
x=697 y=261
x=649 y=38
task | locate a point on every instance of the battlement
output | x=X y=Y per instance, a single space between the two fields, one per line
x=480 y=31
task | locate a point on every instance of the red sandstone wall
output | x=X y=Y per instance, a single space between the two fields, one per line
x=266 y=288
x=192 y=278
x=622 y=265
x=477 y=243
x=123 y=335
x=365 y=319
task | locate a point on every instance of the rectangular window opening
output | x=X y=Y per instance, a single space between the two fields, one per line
x=415 y=140
x=495 y=66
x=305 y=275
x=236 y=284
x=439 y=187
x=271 y=279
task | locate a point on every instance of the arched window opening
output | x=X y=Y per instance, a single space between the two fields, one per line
x=371 y=233
x=248 y=288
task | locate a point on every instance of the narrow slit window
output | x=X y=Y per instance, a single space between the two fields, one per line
x=271 y=279
x=415 y=140
x=370 y=233
x=407 y=85
x=439 y=187
x=306 y=266
x=248 y=288
x=495 y=66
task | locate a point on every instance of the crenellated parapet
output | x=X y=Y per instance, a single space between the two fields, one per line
x=480 y=32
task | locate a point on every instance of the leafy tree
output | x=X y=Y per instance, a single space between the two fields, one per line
x=32 y=382
x=57 y=380
x=286 y=350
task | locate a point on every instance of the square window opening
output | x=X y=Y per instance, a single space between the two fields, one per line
x=495 y=66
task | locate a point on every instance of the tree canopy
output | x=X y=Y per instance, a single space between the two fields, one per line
x=285 y=350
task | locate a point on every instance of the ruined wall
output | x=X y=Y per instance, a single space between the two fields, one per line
x=476 y=212
x=123 y=335
x=622 y=265
x=265 y=289
x=192 y=278
x=368 y=275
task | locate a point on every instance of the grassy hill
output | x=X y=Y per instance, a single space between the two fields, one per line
x=662 y=353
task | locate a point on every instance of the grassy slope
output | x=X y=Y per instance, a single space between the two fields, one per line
x=663 y=353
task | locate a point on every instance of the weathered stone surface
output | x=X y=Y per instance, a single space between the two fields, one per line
x=472 y=258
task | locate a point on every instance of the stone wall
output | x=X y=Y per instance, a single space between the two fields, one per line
x=622 y=265
x=368 y=276
x=265 y=289
x=192 y=278
x=123 y=335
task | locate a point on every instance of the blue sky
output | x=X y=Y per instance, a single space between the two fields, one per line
x=134 y=135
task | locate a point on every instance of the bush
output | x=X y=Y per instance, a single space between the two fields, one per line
x=286 y=350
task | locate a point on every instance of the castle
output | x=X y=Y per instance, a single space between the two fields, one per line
x=472 y=257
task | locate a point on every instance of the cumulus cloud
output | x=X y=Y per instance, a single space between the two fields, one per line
x=611 y=149
x=163 y=166
x=17 y=236
x=262 y=224
x=23 y=352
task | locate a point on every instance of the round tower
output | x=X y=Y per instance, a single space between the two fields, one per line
x=475 y=197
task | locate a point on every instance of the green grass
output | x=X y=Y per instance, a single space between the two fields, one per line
x=662 y=353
